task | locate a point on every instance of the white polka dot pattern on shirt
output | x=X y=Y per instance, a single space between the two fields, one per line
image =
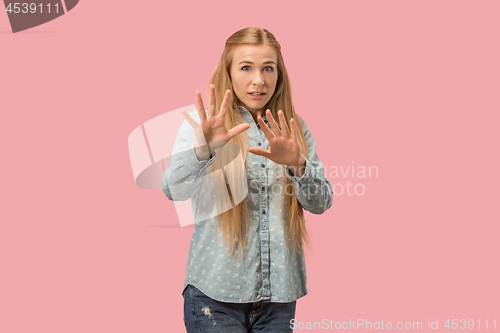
x=269 y=269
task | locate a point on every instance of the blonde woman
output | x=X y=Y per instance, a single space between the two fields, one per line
x=246 y=266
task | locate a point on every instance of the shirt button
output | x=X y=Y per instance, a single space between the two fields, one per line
x=260 y=144
x=263 y=165
x=263 y=188
x=263 y=212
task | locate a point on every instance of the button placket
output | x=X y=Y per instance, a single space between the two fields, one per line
x=263 y=194
x=259 y=138
x=265 y=236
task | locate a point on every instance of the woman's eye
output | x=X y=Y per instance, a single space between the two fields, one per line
x=266 y=69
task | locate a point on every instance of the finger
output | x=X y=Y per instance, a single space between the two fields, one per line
x=294 y=129
x=211 y=100
x=259 y=151
x=284 y=126
x=237 y=130
x=273 y=124
x=189 y=119
x=267 y=132
x=225 y=104
x=200 y=107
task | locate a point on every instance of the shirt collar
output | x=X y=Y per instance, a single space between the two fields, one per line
x=247 y=115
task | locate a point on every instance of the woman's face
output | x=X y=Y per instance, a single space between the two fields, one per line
x=254 y=74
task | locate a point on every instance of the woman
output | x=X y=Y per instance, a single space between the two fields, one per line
x=246 y=264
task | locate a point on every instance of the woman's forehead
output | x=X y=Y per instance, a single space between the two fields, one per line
x=254 y=53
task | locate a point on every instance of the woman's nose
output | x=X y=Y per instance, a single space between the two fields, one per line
x=258 y=79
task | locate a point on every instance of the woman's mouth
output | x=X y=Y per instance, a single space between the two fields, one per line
x=257 y=95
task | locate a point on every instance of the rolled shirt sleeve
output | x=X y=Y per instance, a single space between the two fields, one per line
x=313 y=190
x=185 y=173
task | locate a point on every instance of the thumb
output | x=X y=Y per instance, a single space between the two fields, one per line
x=238 y=129
x=259 y=151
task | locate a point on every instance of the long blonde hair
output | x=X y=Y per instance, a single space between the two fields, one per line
x=234 y=229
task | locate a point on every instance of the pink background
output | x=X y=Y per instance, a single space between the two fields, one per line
x=409 y=87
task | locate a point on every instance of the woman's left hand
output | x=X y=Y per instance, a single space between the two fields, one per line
x=284 y=149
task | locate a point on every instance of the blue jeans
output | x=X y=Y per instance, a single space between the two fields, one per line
x=203 y=314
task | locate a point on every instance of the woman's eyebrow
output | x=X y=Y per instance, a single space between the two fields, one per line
x=249 y=62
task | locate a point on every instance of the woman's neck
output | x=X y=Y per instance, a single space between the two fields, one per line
x=256 y=113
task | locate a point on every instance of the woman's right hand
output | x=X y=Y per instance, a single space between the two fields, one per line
x=212 y=129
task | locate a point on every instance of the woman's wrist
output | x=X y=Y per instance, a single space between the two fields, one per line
x=298 y=169
x=202 y=152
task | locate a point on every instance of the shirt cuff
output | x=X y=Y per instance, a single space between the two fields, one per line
x=194 y=165
x=307 y=177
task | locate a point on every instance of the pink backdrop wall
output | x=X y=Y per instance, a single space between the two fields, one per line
x=409 y=87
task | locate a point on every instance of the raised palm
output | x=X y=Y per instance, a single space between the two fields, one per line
x=211 y=132
x=284 y=146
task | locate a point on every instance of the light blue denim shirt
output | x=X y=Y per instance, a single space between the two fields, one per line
x=269 y=270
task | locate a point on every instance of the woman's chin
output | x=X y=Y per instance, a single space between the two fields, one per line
x=254 y=105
